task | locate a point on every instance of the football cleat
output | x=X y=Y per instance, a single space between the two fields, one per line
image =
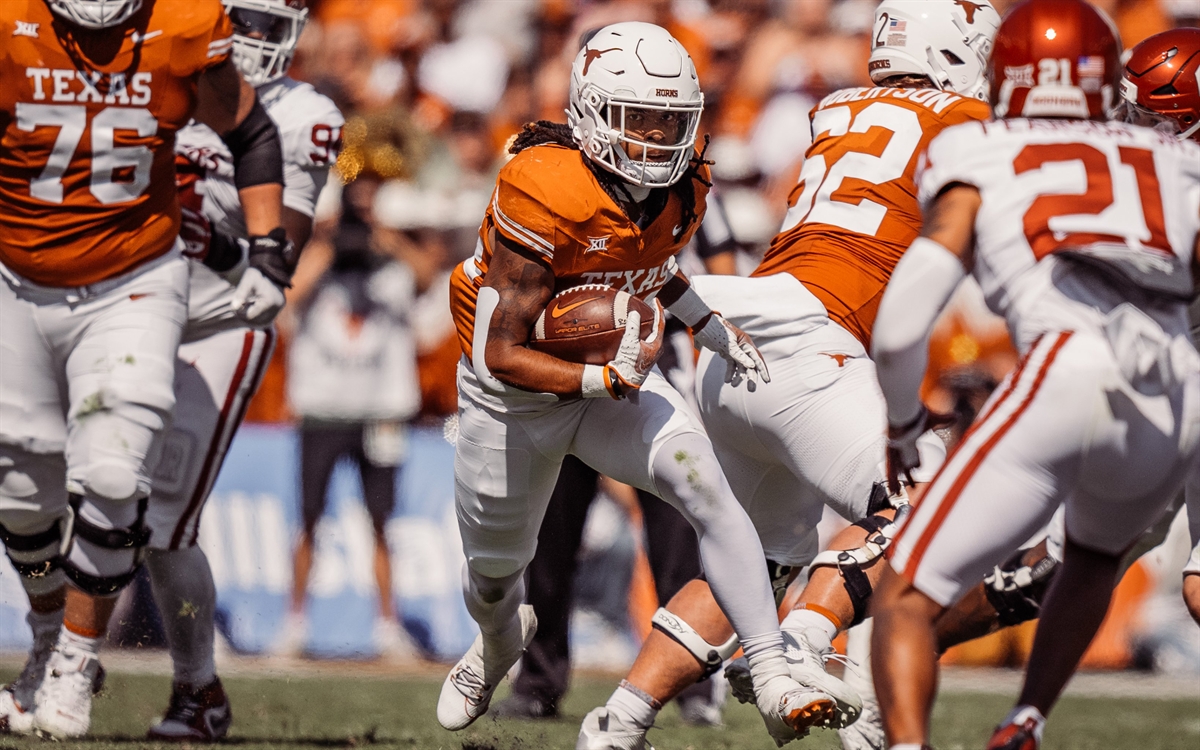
x=604 y=730
x=64 y=699
x=806 y=665
x=790 y=709
x=867 y=732
x=200 y=715
x=1021 y=730
x=17 y=699
x=468 y=688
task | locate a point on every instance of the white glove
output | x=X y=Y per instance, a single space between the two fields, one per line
x=732 y=343
x=257 y=299
x=633 y=361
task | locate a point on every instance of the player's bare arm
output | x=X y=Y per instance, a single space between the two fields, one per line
x=525 y=285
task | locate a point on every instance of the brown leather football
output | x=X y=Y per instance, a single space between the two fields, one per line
x=585 y=323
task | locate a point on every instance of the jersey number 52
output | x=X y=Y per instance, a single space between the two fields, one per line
x=826 y=198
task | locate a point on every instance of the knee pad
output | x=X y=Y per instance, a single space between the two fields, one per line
x=93 y=562
x=710 y=657
x=1016 y=587
x=850 y=562
x=36 y=556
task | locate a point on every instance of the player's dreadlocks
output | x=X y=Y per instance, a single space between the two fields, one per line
x=559 y=134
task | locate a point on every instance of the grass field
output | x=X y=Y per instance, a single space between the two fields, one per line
x=392 y=712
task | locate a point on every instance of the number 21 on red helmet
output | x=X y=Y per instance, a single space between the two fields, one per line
x=1055 y=58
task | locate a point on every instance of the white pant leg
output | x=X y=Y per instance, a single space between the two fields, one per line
x=813 y=436
x=215 y=378
x=1064 y=427
x=32 y=383
x=120 y=379
x=654 y=442
x=505 y=468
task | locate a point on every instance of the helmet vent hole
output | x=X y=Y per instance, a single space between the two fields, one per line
x=1168 y=90
x=952 y=58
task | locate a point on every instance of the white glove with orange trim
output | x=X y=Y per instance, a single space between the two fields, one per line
x=629 y=368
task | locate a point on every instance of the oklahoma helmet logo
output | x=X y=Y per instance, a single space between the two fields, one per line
x=969 y=8
x=597 y=243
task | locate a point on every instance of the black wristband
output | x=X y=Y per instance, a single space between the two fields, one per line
x=224 y=252
x=274 y=256
x=256 y=149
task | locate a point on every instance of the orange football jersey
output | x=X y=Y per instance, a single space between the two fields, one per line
x=854 y=211
x=87 y=134
x=548 y=200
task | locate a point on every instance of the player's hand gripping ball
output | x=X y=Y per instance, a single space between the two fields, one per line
x=585 y=324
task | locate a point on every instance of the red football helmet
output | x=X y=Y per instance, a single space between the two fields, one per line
x=1160 y=87
x=1055 y=58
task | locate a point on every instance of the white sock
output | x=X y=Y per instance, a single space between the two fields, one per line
x=70 y=641
x=799 y=620
x=906 y=746
x=632 y=707
x=183 y=589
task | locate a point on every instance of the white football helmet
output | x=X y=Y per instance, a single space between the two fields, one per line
x=635 y=103
x=265 y=34
x=947 y=40
x=95 y=14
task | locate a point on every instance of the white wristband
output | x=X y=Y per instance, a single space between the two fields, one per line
x=593 y=382
x=689 y=308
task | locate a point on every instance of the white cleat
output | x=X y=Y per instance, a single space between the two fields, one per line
x=15 y=717
x=867 y=732
x=806 y=653
x=603 y=730
x=790 y=709
x=18 y=699
x=64 y=700
x=468 y=688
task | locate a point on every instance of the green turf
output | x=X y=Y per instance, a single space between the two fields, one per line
x=395 y=713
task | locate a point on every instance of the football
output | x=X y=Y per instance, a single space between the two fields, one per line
x=585 y=323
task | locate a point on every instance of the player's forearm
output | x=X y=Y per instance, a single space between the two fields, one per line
x=678 y=296
x=537 y=372
x=920 y=287
x=262 y=207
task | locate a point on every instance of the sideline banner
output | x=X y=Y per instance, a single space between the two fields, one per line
x=250 y=525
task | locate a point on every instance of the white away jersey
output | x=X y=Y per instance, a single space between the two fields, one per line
x=310 y=127
x=1124 y=197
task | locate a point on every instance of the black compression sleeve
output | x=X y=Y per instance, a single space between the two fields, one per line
x=257 y=150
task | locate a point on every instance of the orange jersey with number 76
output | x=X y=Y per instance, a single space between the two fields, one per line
x=87 y=130
x=854 y=211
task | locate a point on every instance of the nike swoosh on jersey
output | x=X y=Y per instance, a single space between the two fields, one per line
x=558 y=312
